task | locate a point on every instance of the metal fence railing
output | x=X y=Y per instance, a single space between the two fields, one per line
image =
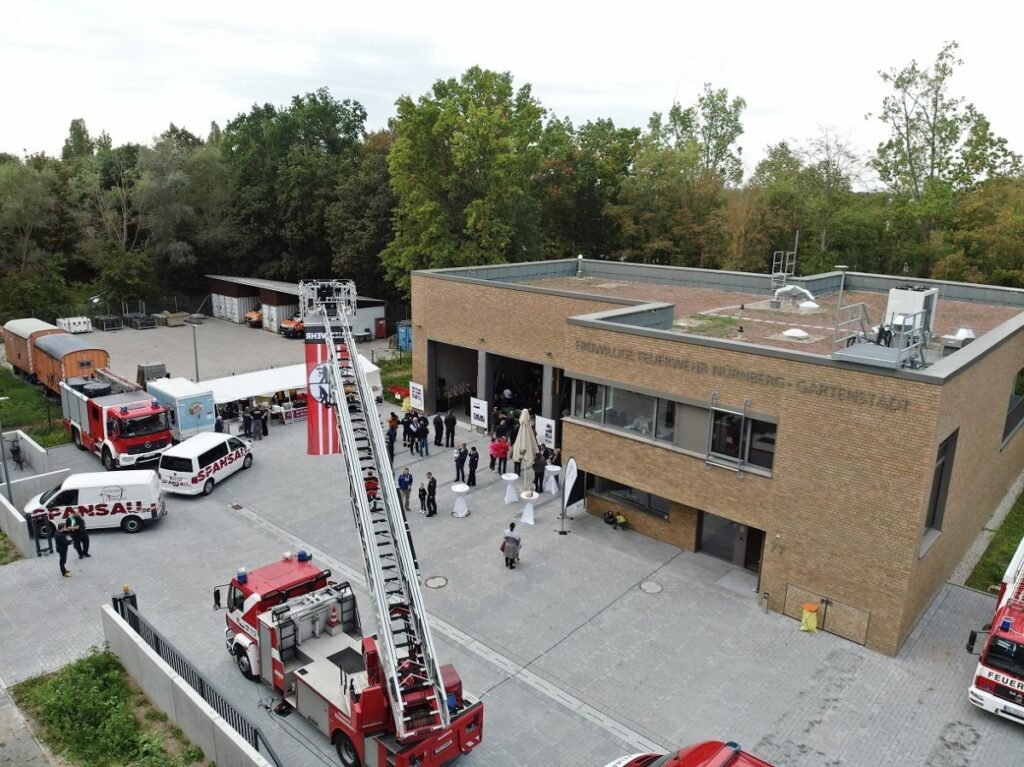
x=127 y=607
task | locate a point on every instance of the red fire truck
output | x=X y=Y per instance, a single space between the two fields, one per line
x=382 y=699
x=113 y=418
x=999 y=679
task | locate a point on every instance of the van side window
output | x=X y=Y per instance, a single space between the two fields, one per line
x=233 y=443
x=215 y=453
x=67 y=498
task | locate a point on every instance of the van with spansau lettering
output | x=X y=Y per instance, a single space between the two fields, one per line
x=200 y=462
x=127 y=499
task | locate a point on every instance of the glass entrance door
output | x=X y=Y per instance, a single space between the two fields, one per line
x=731 y=541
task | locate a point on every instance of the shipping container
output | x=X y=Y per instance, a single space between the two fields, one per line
x=217 y=304
x=19 y=342
x=273 y=315
x=235 y=308
x=61 y=355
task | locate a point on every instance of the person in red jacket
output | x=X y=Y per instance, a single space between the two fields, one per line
x=503 y=449
x=492 y=451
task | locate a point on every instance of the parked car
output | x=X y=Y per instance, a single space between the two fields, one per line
x=711 y=753
x=196 y=465
x=293 y=327
x=254 y=319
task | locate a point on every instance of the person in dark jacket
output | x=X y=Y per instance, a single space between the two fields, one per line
x=407 y=429
x=449 y=429
x=539 y=464
x=431 y=495
x=265 y=420
x=460 y=463
x=61 y=541
x=247 y=423
x=79 y=535
x=438 y=430
x=474 y=461
x=218 y=425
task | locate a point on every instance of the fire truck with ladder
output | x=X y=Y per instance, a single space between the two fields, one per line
x=112 y=417
x=382 y=699
x=999 y=679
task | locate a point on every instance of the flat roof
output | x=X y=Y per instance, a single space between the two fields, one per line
x=748 y=316
x=279 y=286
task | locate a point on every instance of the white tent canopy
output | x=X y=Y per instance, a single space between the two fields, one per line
x=264 y=383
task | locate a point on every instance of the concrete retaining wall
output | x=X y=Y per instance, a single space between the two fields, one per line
x=14 y=526
x=24 y=488
x=31 y=453
x=170 y=693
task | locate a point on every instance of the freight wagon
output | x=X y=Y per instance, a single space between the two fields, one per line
x=62 y=355
x=19 y=342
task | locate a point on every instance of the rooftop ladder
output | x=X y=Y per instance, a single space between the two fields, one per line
x=409 y=664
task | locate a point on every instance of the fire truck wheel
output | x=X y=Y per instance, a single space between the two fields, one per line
x=76 y=436
x=108 y=460
x=346 y=751
x=242 y=659
x=208 y=487
x=131 y=524
x=247 y=462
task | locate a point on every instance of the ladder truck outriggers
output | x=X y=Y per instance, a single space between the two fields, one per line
x=998 y=684
x=382 y=699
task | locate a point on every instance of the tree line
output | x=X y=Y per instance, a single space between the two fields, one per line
x=477 y=171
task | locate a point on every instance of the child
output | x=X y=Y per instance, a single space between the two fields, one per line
x=423 y=499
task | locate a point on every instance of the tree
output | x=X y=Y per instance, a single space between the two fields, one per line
x=463 y=167
x=935 y=137
x=359 y=222
x=830 y=166
x=78 y=144
x=27 y=205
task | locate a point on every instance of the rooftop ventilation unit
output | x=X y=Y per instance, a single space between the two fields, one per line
x=957 y=340
x=907 y=300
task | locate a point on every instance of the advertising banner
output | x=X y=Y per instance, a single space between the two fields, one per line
x=478 y=412
x=416 y=396
x=321 y=424
x=545 y=431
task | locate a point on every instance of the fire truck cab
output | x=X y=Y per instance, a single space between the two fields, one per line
x=711 y=753
x=998 y=685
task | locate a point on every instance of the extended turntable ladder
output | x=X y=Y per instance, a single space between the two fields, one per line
x=412 y=673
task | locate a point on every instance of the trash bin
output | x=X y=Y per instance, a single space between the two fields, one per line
x=809 y=621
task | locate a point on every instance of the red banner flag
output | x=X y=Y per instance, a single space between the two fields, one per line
x=321 y=424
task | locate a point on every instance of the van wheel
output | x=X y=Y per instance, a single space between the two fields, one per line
x=131 y=524
x=46 y=530
x=242 y=659
x=208 y=487
x=76 y=435
x=108 y=460
x=247 y=462
x=346 y=751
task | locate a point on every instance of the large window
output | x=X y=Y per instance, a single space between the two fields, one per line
x=593 y=401
x=639 y=499
x=1015 y=407
x=940 y=482
x=630 y=411
x=736 y=438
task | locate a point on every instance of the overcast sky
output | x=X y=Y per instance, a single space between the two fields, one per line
x=131 y=68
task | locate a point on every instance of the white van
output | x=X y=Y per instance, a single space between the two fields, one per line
x=197 y=464
x=125 y=499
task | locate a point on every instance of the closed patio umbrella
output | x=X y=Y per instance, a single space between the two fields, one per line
x=525 y=447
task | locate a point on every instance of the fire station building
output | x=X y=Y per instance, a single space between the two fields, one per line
x=845 y=436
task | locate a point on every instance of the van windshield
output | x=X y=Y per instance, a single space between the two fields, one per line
x=45 y=497
x=176 y=463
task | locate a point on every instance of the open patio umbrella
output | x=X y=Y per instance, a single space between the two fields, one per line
x=525 y=447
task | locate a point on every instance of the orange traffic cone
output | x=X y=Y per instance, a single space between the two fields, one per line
x=332 y=619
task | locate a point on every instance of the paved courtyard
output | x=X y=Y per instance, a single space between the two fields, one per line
x=576 y=663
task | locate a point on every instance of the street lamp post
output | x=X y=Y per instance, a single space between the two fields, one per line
x=195 y=346
x=3 y=458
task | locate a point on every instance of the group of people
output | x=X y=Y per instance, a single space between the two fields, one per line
x=416 y=432
x=255 y=420
x=427 y=492
x=71 y=532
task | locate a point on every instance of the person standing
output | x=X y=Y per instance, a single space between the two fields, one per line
x=265 y=420
x=247 y=423
x=423 y=499
x=423 y=432
x=256 y=427
x=61 y=541
x=511 y=543
x=431 y=495
x=407 y=429
x=389 y=438
x=556 y=460
x=372 y=485
x=218 y=425
x=493 y=425
x=79 y=534
x=405 y=486
x=438 y=429
x=492 y=452
x=474 y=461
x=460 y=463
x=503 y=450
x=539 y=464
x=449 y=429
